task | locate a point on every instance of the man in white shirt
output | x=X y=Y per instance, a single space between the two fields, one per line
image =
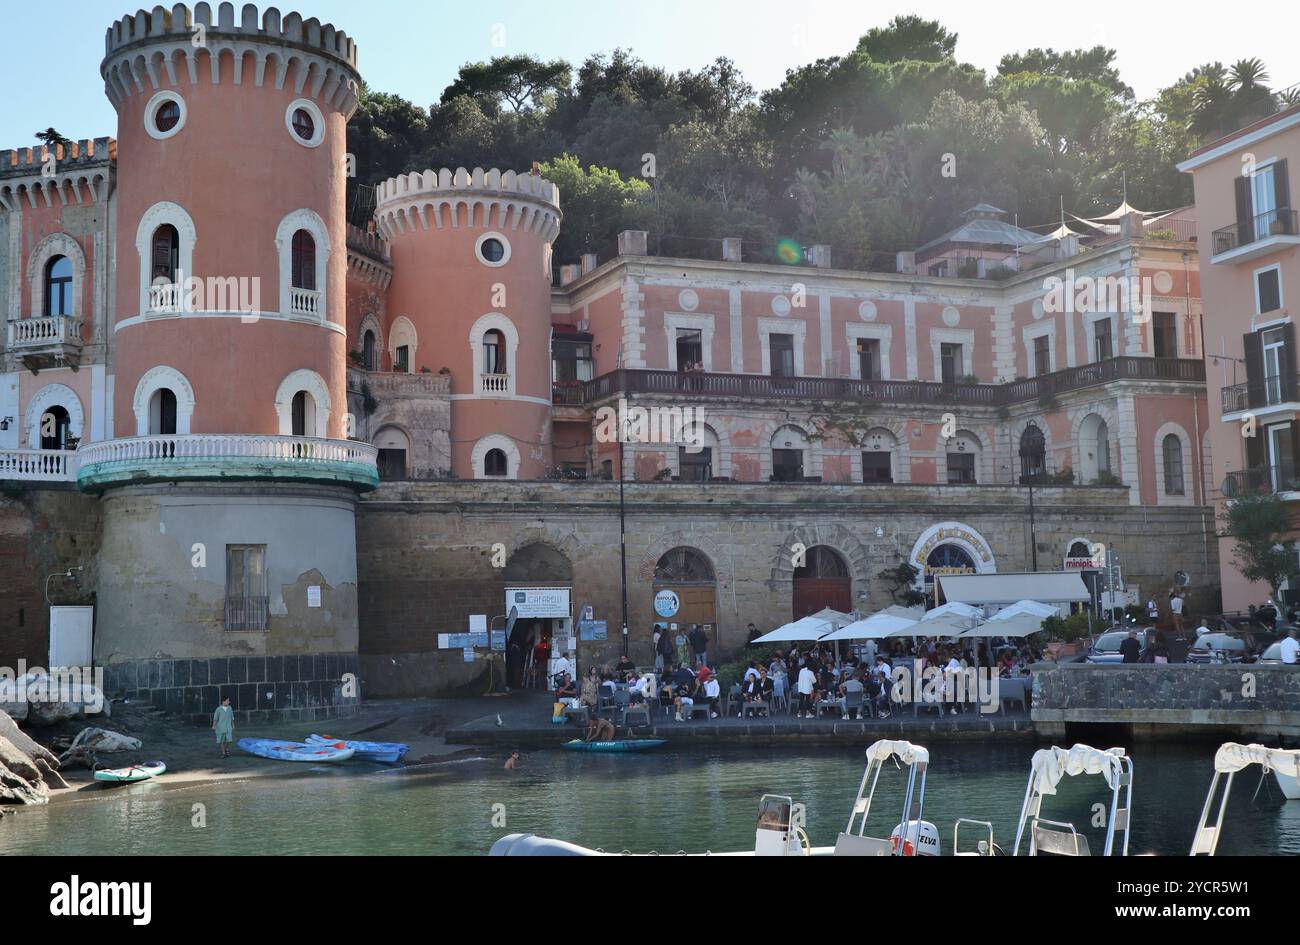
x=711 y=692
x=565 y=665
x=1153 y=610
x=1176 y=606
x=643 y=688
x=1291 y=648
x=807 y=683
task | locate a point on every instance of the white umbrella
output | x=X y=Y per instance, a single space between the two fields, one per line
x=805 y=628
x=1017 y=625
x=1034 y=608
x=898 y=610
x=876 y=627
x=954 y=608
x=833 y=617
x=944 y=625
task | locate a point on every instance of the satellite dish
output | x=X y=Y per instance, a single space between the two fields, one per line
x=1181 y=578
x=1228 y=488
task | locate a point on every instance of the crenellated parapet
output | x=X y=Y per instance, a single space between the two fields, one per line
x=446 y=198
x=143 y=49
x=78 y=172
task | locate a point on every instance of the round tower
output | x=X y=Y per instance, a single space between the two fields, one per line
x=231 y=253
x=471 y=292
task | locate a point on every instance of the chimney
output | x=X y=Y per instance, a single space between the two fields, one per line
x=906 y=262
x=589 y=262
x=820 y=256
x=731 y=249
x=1130 y=226
x=569 y=274
x=1067 y=246
x=633 y=243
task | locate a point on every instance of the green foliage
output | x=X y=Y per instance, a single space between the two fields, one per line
x=368 y=402
x=1067 y=629
x=598 y=203
x=1259 y=524
x=731 y=673
x=900 y=581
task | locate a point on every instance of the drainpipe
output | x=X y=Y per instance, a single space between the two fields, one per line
x=622 y=535
x=1033 y=535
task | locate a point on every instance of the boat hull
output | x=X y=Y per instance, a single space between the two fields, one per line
x=626 y=744
x=1289 y=785
x=131 y=773
x=279 y=750
x=388 y=753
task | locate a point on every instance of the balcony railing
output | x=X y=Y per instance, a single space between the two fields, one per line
x=1280 y=222
x=227 y=456
x=684 y=384
x=246 y=613
x=568 y=393
x=167 y=298
x=1261 y=480
x=39 y=465
x=495 y=383
x=1264 y=392
x=304 y=301
x=50 y=331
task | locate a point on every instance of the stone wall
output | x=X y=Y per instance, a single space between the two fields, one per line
x=1257 y=702
x=260 y=688
x=45 y=528
x=425 y=549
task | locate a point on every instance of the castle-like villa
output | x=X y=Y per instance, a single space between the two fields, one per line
x=283 y=449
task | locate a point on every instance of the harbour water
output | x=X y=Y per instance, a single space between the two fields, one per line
x=665 y=800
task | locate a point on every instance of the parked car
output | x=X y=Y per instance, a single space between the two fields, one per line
x=1105 y=649
x=1272 y=656
x=1221 y=646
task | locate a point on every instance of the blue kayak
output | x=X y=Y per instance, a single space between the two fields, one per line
x=626 y=744
x=386 y=752
x=295 y=751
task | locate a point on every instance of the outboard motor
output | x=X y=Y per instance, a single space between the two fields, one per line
x=922 y=838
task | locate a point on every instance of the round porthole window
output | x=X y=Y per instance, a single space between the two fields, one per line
x=164 y=115
x=305 y=122
x=492 y=249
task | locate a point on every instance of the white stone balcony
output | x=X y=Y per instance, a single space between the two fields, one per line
x=166 y=299
x=304 y=302
x=52 y=341
x=192 y=456
x=494 y=383
x=39 y=465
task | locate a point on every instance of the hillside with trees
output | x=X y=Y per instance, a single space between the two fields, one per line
x=849 y=150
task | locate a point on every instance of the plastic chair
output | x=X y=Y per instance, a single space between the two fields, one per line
x=779 y=699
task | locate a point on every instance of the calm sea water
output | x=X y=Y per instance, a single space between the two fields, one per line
x=663 y=800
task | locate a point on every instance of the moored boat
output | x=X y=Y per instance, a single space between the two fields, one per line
x=385 y=752
x=131 y=773
x=281 y=750
x=624 y=744
x=1228 y=760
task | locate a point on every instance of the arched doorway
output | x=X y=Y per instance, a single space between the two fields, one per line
x=684 y=592
x=539 y=586
x=55 y=427
x=822 y=581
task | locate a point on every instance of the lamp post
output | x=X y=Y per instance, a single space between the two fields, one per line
x=622 y=535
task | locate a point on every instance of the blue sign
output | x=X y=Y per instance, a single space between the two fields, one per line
x=499 y=640
x=593 y=630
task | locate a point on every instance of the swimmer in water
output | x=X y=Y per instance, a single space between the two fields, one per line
x=513 y=761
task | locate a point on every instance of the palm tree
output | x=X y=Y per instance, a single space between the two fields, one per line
x=1247 y=74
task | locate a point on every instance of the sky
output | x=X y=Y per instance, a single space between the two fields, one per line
x=49 y=68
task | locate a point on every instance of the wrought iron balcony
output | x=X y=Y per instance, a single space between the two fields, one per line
x=52 y=341
x=1263 y=392
x=39 y=465
x=688 y=385
x=1261 y=229
x=1261 y=480
x=190 y=456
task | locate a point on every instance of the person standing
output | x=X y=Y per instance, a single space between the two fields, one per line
x=807 y=683
x=1176 y=607
x=1153 y=610
x=751 y=634
x=682 y=643
x=656 y=635
x=223 y=725
x=1130 y=648
x=664 y=654
x=1291 y=647
x=700 y=644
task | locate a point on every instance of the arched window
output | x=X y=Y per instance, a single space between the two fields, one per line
x=494 y=463
x=1033 y=454
x=878 y=448
x=494 y=352
x=165 y=250
x=303 y=265
x=162 y=412
x=303 y=413
x=788 y=460
x=963 y=455
x=1103 y=448
x=683 y=566
x=55 y=426
x=58 y=286
x=1173 y=450
x=368 y=350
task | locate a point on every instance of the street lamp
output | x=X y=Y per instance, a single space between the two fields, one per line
x=70 y=573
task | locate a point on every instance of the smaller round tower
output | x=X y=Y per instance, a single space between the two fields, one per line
x=471 y=292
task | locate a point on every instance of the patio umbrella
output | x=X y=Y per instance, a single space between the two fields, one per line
x=833 y=617
x=943 y=625
x=876 y=627
x=1017 y=625
x=956 y=609
x=805 y=628
x=1034 y=608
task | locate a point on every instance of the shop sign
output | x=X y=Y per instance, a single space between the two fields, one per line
x=667 y=603
x=538 y=601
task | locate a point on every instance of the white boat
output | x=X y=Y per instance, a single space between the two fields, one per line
x=780 y=828
x=1228 y=760
x=1048 y=767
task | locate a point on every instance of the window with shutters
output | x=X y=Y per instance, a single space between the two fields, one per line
x=1042 y=355
x=246 y=598
x=1033 y=454
x=165 y=255
x=781 y=352
x=303 y=266
x=1164 y=335
x=1270 y=366
x=1173 y=461
x=58 y=286
x=950 y=362
x=1268 y=289
x=868 y=359
x=1103 y=346
x=1263 y=201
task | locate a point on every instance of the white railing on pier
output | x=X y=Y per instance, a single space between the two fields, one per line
x=39 y=465
x=42 y=332
x=304 y=301
x=241 y=448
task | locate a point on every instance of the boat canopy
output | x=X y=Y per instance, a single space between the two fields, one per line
x=1232 y=757
x=905 y=751
x=1050 y=765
